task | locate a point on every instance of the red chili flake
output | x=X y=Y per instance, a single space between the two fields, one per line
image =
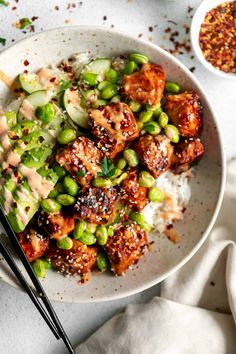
x=27 y=208
x=212 y=283
x=26 y=71
x=56 y=8
x=14 y=8
x=25 y=131
x=26 y=63
x=140 y=35
x=34 y=18
x=14 y=204
x=192 y=69
x=52 y=79
x=170 y=226
x=104 y=18
x=150 y=29
x=15 y=173
x=190 y=9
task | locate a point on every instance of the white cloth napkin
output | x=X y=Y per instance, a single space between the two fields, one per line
x=196 y=312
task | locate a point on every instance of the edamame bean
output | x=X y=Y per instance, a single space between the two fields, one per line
x=112 y=76
x=65 y=199
x=116 y=174
x=135 y=106
x=130 y=67
x=91 y=228
x=79 y=229
x=116 y=99
x=152 y=128
x=101 y=182
x=66 y=136
x=145 y=116
x=39 y=268
x=163 y=119
x=140 y=125
x=102 y=262
x=138 y=58
x=121 y=163
x=137 y=217
x=65 y=243
x=87 y=238
x=155 y=195
x=45 y=113
x=131 y=157
x=149 y=107
x=59 y=187
x=109 y=91
x=53 y=194
x=110 y=231
x=90 y=96
x=71 y=187
x=101 y=234
x=60 y=171
x=172 y=133
x=171 y=87
x=146 y=179
x=99 y=103
x=50 y=205
x=157 y=112
x=146 y=226
x=47 y=264
x=119 y=179
x=90 y=79
x=103 y=84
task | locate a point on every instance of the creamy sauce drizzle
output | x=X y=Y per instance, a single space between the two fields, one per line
x=3 y=125
x=6 y=144
x=8 y=200
x=27 y=110
x=22 y=214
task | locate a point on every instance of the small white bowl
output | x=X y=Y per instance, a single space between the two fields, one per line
x=198 y=19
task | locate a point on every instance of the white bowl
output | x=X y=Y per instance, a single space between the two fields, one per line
x=197 y=20
x=207 y=187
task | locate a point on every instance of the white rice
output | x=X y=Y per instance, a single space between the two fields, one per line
x=177 y=194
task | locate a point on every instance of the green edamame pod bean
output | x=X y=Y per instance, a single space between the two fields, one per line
x=66 y=136
x=53 y=194
x=109 y=91
x=79 y=229
x=149 y=107
x=110 y=231
x=140 y=125
x=65 y=199
x=90 y=79
x=91 y=228
x=116 y=174
x=60 y=171
x=103 y=84
x=145 y=116
x=171 y=87
x=131 y=157
x=121 y=163
x=152 y=128
x=102 y=262
x=101 y=182
x=135 y=106
x=157 y=112
x=116 y=99
x=39 y=268
x=50 y=205
x=47 y=264
x=99 y=103
x=101 y=234
x=65 y=243
x=112 y=75
x=87 y=238
x=138 y=58
x=59 y=188
x=45 y=113
x=146 y=226
x=172 y=133
x=119 y=179
x=130 y=67
x=90 y=96
x=146 y=179
x=155 y=195
x=137 y=217
x=71 y=187
x=163 y=119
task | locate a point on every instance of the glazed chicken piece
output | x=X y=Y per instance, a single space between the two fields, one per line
x=146 y=85
x=56 y=225
x=81 y=158
x=126 y=247
x=132 y=193
x=95 y=205
x=33 y=243
x=112 y=126
x=187 y=151
x=185 y=112
x=78 y=260
x=155 y=153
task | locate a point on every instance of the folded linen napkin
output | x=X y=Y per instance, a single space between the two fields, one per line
x=196 y=312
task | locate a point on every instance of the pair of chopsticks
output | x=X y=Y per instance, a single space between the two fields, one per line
x=38 y=296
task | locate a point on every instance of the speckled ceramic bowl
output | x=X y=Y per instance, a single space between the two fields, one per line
x=207 y=187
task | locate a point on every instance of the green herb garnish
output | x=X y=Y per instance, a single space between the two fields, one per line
x=80 y=173
x=107 y=167
x=65 y=84
x=23 y=23
x=2 y=41
x=3 y=2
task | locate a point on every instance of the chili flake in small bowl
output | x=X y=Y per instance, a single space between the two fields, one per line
x=213 y=36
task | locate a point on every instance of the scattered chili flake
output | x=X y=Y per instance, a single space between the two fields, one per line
x=26 y=63
x=104 y=18
x=212 y=283
x=56 y=8
x=2 y=41
x=25 y=71
x=190 y=9
x=34 y=18
x=192 y=69
x=14 y=8
x=171 y=21
x=217 y=37
x=150 y=28
x=27 y=208
x=14 y=204
x=52 y=79
x=140 y=35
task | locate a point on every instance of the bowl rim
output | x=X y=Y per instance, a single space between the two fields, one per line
x=194 y=33
x=205 y=234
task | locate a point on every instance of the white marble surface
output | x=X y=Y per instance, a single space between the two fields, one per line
x=21 y=328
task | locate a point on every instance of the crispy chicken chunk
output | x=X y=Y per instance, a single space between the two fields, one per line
x=155 y=153
x=56 y=225
x=80 y=157
x=126 y=247
x=112 y=126
x=95 y=205
x=78 y=260
x=33 y=243
x=146 y=85
x=132 y=193
x=185 y=111
x=187 y=151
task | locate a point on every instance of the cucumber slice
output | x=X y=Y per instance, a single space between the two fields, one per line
x=36 y=99
x=30 y=82
x=71 y=101
x=97 y=66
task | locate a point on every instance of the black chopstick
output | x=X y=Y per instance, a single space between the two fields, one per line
x=10 y=261
x=12 y=236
